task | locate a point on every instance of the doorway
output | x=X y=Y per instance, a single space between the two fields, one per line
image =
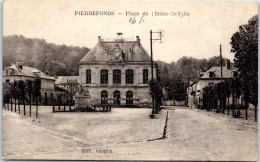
x=117 y=97
x=104 y=97
x=129 y=97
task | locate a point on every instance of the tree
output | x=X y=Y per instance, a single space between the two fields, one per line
x=14 y=94
x=165 y=76
x=37 y=93
x=47 y=57
x=187 y=67
x=156 y=92
x=237 y=90
x=206 y=98
x=176 y=90
x=244 y=44
x=227 y=88
x=215 y=61
x=21 y=89
x=6 y=94
x=29 y=92
x=253 y=97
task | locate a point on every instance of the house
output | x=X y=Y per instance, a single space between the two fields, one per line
x=208 y=79
x=68 y=83
x=117 y=72
x=49 y=93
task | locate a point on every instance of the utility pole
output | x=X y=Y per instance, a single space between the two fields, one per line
x=221 y=75
x=221 y=63
x=151 y=44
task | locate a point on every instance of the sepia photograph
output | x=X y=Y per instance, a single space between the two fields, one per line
x=130 y=80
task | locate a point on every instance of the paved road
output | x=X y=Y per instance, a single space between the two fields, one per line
x=200 y=135
x=191 y=135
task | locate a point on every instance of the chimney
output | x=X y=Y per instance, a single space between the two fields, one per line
x=99 y=39
x=228 y=64
x=19 y=64
x=138 y=40
x=119 y=36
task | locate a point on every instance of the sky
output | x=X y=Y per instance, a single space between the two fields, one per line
x=198 y=34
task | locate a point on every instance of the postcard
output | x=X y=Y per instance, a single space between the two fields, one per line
x=130 y=80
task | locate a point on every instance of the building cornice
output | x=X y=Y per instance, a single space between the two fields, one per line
x=109 y=63
x=215 y=78
x=28 y=77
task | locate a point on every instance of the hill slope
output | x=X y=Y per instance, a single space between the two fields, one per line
x=48 y=57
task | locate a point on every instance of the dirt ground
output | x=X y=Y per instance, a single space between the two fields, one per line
x=128 y=134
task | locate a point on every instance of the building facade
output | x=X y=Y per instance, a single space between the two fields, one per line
x=68 y=83
x=117 y=72
x=49 y=93
x=208 y=79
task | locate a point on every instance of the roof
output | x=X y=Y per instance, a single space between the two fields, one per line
x=226 y=73
x=103 y=51
x=64 y=79
x=60 y=89
x=25 y=71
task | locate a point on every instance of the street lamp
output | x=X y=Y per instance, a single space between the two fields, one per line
x=160 y=35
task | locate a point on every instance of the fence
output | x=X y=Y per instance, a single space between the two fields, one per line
x=95 y=108
x=173 y=103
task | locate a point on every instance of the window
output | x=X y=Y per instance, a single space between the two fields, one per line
x=46 y=99
x=211 y=74
x=129 y=79
x=52 y=98
x=7 y=80
x=145 y=76
x=117 y=76
x=88 y=76
x=103 y=76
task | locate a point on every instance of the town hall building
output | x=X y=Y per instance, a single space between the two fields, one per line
x=117 y=72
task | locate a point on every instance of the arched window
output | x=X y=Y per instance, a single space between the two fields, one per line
x=129 y=79
x=129 y=97
x=104 y=96
x=117 y=97
x=117 y=76
x=145 y=76
x=88 y=76
x=103 y=76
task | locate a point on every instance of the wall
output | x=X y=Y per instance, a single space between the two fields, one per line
x=174 y=103
x=47 y=86
x=45 y=83
x=95 y=73
x=140 y=90
x=140 y=94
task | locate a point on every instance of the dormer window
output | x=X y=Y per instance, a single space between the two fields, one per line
x=211 y=74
